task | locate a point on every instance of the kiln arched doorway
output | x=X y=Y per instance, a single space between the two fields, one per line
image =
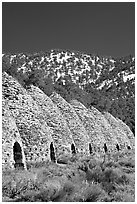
x=73 y=149
x=17 y=154
x=52 y=153
x=90 y=148
x=128 y=147
x=117 y=146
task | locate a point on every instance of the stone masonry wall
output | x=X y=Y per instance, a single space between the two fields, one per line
x=30 y=121
x=10 y=135
x=128 y=132
x=34 y=120
x=96 y=136
x=80 y=135
x=61 y=135
x=106 y=129
x=121 y=130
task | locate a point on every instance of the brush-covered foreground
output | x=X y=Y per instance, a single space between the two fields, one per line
x=73 y=179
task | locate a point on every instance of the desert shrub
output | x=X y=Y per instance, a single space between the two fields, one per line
x=111 y=164
x=83 y=180
x=74 y=158
x=30 y=164
x=84 y=158
x=89 y=193
x=111 y=177
x=68 y=187
x=126 y=163
x=17 y=183
x=65 y=193
x=94 y=193
x=55 y=189
x=26 y=186
x=63 y=159
x=128 y=170
x=46 y=172
x=123 y=179
x=7 y=199
x=82 y=166
x=44 y=194
x=93 y=163
x=42 y=175
x=94 y=175
x=121 y=196
x=34 y=196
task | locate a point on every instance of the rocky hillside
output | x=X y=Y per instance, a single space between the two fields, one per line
x=107 y=83
x=47 y=95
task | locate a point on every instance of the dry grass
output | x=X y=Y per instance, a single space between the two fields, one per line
x=82 y=179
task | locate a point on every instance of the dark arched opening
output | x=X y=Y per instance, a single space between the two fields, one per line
x=73 y=149
x=105 y=148
x=52 y=153
x=17 y=153
x=90 y=148
x=117 y=146
x=128 y=147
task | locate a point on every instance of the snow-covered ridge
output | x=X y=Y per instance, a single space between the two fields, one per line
x=80 y=68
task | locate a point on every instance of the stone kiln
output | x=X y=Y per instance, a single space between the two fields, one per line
x=37 y=128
